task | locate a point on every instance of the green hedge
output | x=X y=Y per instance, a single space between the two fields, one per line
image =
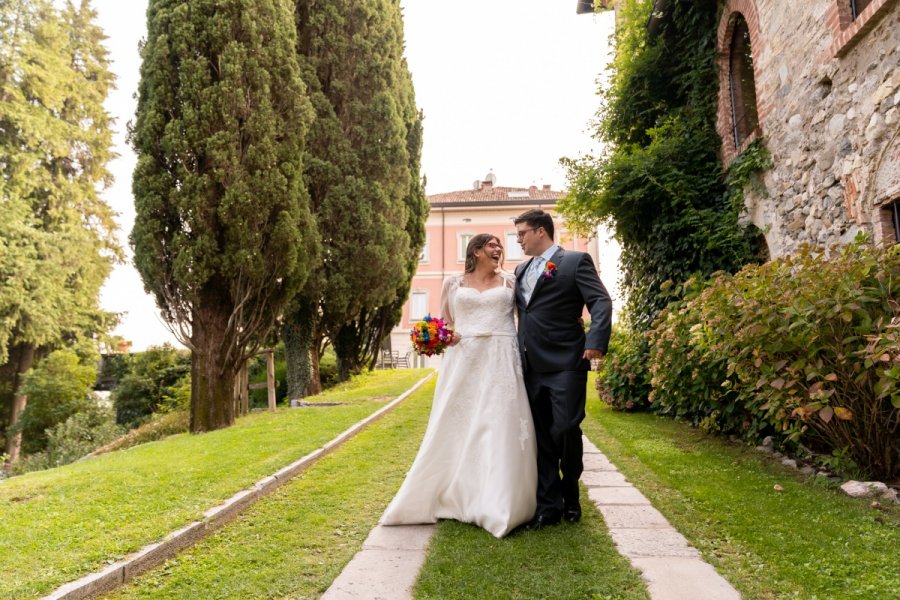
x=805 y=348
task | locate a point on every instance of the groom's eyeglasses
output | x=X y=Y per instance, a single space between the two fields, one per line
x=521 y=233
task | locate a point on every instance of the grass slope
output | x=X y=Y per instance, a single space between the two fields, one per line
x=293 y=543
x=60 y=524
x=807 y=541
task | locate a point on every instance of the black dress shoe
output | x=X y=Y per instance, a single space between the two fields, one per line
x=542 y=521
x=572 y=515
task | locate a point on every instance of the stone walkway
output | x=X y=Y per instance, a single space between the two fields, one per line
x=388 y=564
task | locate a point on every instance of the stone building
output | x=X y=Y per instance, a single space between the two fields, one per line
x=819 y=82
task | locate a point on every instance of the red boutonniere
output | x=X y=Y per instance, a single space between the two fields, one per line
x=549 y=270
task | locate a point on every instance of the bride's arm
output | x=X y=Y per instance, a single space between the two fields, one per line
x=510 y=282
x=448 y=292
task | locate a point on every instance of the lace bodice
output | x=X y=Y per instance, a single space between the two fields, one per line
x=474 y=312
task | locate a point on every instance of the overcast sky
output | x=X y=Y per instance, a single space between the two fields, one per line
x=505 y=86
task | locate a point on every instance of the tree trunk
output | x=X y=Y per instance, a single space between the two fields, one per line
x=298 y=340
x=23 y=356
x=346 y=347
x=212 y=379
x=315 y=382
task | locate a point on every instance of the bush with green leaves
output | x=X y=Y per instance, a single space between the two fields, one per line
x=151 y=382
x=806 y=347
x=78 y=436
x=624 y=379
x=57 y=388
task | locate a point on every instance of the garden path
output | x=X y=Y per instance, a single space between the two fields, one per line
x=389 y=562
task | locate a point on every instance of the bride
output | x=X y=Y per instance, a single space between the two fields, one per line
x=477 y=460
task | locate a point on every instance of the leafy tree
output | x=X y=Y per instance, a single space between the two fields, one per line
x=359 y=173
x=57 y=388
x=223 y=236
x=660 y=183
x=57 y=236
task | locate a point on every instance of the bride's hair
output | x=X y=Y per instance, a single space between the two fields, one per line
x=477 y=243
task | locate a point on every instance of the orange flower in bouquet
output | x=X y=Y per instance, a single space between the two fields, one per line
x=430 y=336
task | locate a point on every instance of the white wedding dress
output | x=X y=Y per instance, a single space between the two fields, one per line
x=477 y=460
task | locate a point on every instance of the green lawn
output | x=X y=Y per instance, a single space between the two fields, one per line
x=807 y=541
x=58 y=525
x=563 y=562
x=293 y=543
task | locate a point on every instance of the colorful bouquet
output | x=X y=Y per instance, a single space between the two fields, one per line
x=430 y=336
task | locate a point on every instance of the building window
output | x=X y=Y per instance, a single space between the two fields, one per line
x=857 y=6
x=742 y=87
x=513 y=250
x=418 y=305
x=892 y=216
x=423 y=255
x=463 y=244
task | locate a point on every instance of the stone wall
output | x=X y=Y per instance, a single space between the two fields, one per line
x=828 y=92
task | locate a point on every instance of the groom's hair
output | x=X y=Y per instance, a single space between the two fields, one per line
x=536 y=218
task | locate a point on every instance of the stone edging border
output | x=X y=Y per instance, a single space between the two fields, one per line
x=154 y=554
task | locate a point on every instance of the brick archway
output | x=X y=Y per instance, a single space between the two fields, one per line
x=746 y=9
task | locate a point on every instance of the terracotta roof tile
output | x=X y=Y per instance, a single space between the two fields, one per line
x=493 y=195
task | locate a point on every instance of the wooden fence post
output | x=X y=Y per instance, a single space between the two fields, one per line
x=245 y=388
x=270 y=376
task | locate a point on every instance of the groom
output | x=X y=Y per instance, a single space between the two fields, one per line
x=552 y=290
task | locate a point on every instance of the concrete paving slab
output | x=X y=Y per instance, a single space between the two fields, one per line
x=632 y=517
x=616 y=495
x=683 y=579
x=376 y=574
x=400 y=537
x=604 y=479
x=597 y=462
x=652 y=543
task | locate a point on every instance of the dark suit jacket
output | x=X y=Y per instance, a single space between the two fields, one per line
x=551 y=337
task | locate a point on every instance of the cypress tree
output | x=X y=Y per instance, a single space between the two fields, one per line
x=57 y=233
x=358 y=170
x=223 y=236
x=358 y=343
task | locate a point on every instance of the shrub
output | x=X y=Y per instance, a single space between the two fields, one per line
x=328 y=369
x=150 y=383
x=73 y=439
x=624 y=380
x=159 y=426
x=807 y=346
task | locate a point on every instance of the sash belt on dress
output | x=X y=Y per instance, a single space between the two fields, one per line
x=487 y=334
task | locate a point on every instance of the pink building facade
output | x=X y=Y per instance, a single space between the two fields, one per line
x=454 y=218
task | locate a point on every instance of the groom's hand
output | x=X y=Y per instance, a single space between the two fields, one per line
x=594 y=356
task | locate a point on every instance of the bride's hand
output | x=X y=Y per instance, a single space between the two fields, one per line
x=454 y=339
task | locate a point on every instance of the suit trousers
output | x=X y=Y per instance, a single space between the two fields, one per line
x=557 y=406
